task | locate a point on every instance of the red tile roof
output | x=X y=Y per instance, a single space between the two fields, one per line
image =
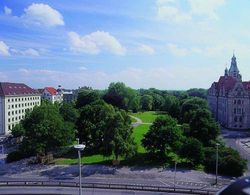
x=14 y=89
x=51 y=90
x=227 y=82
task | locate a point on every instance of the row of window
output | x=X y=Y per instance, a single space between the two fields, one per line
x=17 y=118
x=23 y=104
x=22 y=99
x=17 y=111
x=238 y=111
x=239 y=102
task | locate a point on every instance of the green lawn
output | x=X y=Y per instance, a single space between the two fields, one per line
x=138 y=134
x=93 y=159
x=147 y=117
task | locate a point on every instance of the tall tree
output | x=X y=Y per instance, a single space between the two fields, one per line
x=119 y=95
x=163 y=136
x=147 y=102
x=44 y=129
x=87 y=96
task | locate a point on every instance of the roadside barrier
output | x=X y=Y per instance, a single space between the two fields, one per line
x=108 y=186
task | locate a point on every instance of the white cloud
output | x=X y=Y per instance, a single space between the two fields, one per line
x=7 y=10
x=4 y=49
x=168 y=10
x=30 y=52
x=42 y=14
x=176 y=50
x=172 y=14
x=171 y=11
x=95 y=42
x=82 y=68
x=146 y=49
x=207 y=8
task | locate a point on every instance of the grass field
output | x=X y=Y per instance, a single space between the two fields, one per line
x=138 y=133
x=93 y=159
x=147 y=117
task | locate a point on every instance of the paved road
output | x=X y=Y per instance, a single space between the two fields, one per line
x=67 y=190
x=235 y=140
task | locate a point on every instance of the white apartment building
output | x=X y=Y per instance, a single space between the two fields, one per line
x=15 y=100
x=53 y=95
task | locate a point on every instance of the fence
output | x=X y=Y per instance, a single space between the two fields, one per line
x=109 y=186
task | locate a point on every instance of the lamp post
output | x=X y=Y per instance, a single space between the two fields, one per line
x=216 y=166
x=79 y=148
x=175 y=163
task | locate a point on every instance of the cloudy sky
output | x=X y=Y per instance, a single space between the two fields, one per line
x=166 y=44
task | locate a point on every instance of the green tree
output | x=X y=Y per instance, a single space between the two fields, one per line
x=158 y=101
x=229 y=163
x=87 y=96
x=118 y=136
x=119 y=95
x=201 y=93
x=106 y=130
x=135 y=104
x=189 y=106
x=192 y=149
x=69 y=112
x=203 y=127
x=44 y=129
x=171 y=106
x=147 y=102
x=163 y=136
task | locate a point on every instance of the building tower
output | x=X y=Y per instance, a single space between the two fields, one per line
x=234 y=71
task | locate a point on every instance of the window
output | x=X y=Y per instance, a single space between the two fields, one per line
x=238 y=110
x=239 y=102
x=12 y=106
x=9 y=120
x=12 y=112
x=234 y=110
x=240 y=119
x=234 y=101
x=235 y=119
x=8 y=113
x=9 y=127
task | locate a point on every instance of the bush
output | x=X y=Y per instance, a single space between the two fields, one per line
x=229 y=162
x=15 y=156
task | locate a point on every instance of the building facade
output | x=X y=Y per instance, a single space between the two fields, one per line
x=229 y=99
x=52 y=94
x=15 y=100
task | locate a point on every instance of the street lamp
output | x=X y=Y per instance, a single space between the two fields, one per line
x=175 y=163
x=216 y=166
x=79 y=148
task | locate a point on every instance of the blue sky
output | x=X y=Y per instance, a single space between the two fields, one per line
x=166 y=44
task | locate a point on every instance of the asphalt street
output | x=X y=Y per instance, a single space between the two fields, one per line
x=71 y=191
x=234 y=140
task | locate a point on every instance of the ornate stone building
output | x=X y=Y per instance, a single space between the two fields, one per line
x=229 y=99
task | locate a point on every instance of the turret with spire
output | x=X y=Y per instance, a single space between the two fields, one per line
x=233 y=70
x=226 y=72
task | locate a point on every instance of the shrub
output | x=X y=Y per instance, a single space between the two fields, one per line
x=14 y=156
